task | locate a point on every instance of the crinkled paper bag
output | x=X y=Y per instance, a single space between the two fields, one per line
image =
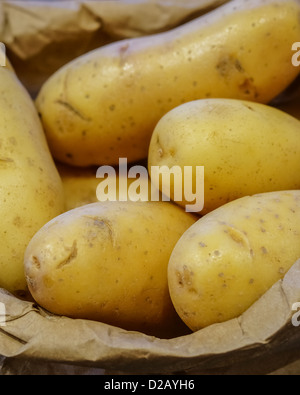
x=263 y=339
x=41 y=36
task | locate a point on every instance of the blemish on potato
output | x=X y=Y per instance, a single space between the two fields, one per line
x=36 y=262
x=227 y=65
x=72 y=255
x=216 y=254
x=48 y=281
x=101 y=223
x=248 y=87
x=160 y=152
x=4 y=160
x=249 y=107
x=187 y=276
x=73 y=110
x=179 y=279
x=237 y=236
x=192 y=290
x=264 y=250
x=149 y=300
x=17 y=221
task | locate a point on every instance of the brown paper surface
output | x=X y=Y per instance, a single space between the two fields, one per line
x=260 y=341
x=41 y=36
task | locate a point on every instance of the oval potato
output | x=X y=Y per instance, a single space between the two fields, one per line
x=246 y=148
x=31 y=192
x=105 y=104
x=229 y=258
x=108 y=262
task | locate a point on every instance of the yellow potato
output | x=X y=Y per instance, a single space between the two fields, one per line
x=245 y=148
x=108 y=262
x=81 y=185
x=230 y=257
x=105 y=104
x=30 y=187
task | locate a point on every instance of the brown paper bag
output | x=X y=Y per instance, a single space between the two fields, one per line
x=263 y=339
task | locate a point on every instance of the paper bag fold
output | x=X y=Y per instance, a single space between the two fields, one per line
x=262 y=339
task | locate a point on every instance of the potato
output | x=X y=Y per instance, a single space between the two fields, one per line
x=31 y=191
x=105 y=104
x=230 y=257
x=81 y=185
x=246 y=148
x=108 y=262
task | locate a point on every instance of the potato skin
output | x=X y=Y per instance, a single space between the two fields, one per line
x=246 y=148
x=230 y=257
x=30 y=187
x=104 y=105
x=108 y=262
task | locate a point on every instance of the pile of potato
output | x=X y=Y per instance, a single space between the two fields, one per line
x=198 y=95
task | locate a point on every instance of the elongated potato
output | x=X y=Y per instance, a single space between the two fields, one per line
x=105 y=104
x=230 y=257
x=31 y=191
x=245 y=148
x=108 y=262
